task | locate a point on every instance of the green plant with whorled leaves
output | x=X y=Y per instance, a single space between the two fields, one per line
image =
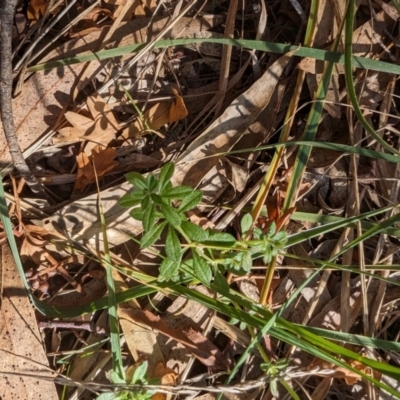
x=191 y=250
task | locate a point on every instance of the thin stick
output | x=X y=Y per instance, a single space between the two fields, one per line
x=6 y=81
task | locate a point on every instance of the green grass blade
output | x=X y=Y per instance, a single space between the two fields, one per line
x=117 y=364
x=309 y=133
x=357 y=340
x=326 y=219
x=294 y=335
x=342 y=223
x=278 y=48
x=343 y=148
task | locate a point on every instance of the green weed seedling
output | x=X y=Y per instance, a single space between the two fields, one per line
x=190 y=250
x=139 y=377
x=273 y=370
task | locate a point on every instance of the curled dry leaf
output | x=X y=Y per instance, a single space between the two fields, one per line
x=167 y=376
x=89 y=23
x=98 y=131
x=201 y=348
x=99 y=163
x=156 y=117
x=36 y=9
x=33 y=246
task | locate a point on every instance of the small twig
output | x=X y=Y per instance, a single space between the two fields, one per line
x=6 y=81
x=73 y=325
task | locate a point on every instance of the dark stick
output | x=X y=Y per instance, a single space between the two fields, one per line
x=6 y=81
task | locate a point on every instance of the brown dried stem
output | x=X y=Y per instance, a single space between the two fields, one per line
x=6 y=81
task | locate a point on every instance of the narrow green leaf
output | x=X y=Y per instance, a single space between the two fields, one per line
x=267 y=255
x=149 y=218
x=272 y=229
x=221 y=237
x=137 y=213
x=258 y=233
x=152 y=182
x=260 y=45
x=325 y=219
x=171 y=215
x=150 y=237
x=280 y=237
x=220 y=281
x=194 y=232
x=145 y=203
x=136 y=180
x=168 y=269
x=131 y=199
x=116 y=378
x=240 y=263
x=336 y=224
x=173 y=246
x=177 y=193
x=140 y=373
x=157 y=198
x=246 y=223
x=201 y=269
x=247 y=262
x=165 y=175
x=191 y=201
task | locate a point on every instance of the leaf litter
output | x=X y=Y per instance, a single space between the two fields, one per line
x=100 y=136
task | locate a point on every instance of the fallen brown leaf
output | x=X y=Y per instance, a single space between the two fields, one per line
x=89 y=23
x=140 y=339
x=46 y=93
x=168 y=377
x=350 y=377
x=34 y=243
x=36 y=9
x=98 y=131
x=201 y=348
x=156 y=117
x=100 y=162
